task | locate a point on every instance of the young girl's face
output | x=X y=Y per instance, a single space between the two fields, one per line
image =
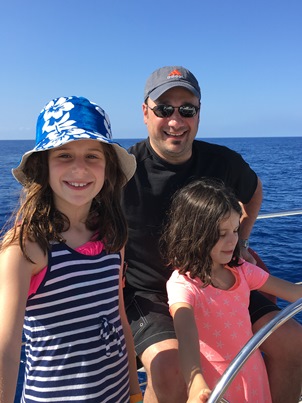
x=76 y=172
x=222 y=252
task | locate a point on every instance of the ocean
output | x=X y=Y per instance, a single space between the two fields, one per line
x=278 y=163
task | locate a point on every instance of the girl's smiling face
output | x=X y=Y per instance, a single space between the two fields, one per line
x=76 y=173
x=222 y=252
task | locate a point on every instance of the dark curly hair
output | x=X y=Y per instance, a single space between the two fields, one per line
x=192 y=228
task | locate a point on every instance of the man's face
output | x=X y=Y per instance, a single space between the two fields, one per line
x=172 y=137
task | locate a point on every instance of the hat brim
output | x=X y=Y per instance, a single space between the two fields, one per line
x=157 y=92
x=127 y=161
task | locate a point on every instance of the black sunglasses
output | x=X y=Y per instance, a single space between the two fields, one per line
x=165 y=111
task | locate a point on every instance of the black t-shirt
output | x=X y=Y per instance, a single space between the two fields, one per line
x=147 y=198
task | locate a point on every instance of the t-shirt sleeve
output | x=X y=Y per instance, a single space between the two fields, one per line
x=255 y=276
x=243 y=179
x=223 y=163
x=180 y=289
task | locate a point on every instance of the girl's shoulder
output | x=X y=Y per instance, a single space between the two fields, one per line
x=253 y=274
x=184 y=278
x=37 y=256
x=12 y=255
x=16 y=270
x=176 y=276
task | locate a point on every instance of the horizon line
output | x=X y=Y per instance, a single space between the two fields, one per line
x=197 y=137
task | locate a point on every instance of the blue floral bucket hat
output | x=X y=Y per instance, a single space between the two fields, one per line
x=67 y=119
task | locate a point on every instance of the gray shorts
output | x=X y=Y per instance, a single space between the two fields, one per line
x=150 y=320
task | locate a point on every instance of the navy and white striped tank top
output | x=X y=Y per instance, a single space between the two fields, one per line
x=75 y=346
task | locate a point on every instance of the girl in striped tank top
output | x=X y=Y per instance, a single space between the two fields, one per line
x=60 y=265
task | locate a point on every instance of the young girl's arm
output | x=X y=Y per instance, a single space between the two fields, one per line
x=15 y=273
x=135 y=390
x=189 y=354
x=282 y=289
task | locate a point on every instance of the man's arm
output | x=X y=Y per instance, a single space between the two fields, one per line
x=249 y=215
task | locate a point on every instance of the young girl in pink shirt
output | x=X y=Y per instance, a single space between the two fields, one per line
x=209 y=292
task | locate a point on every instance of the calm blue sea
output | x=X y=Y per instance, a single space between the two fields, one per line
x=278 y=163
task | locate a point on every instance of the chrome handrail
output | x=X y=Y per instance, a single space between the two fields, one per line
x=279 y=214
x=251 y=346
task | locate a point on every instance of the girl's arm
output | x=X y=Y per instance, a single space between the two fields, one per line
x=15 y=273
x=282 y=289
x=189 y=354
x=133 y=377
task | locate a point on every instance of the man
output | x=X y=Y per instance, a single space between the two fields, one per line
x=166 y=161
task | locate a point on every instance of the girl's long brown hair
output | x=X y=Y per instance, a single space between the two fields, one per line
x=37 y=219
x=192 y=228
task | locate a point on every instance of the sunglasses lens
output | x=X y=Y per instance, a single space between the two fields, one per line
x=163 y=111
x=187 y=111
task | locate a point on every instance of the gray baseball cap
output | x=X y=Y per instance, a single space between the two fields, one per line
x=161 y=80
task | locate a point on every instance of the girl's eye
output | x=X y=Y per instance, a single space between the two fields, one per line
x=96 y=156
x=64 y=156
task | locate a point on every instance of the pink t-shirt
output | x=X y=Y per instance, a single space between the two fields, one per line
x=224 y=326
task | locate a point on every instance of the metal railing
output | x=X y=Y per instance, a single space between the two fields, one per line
x=279 y=214
x=250 y=347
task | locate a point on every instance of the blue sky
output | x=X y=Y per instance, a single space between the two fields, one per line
x=246 y=54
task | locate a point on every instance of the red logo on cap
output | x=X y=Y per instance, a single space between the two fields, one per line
x=174 y=73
